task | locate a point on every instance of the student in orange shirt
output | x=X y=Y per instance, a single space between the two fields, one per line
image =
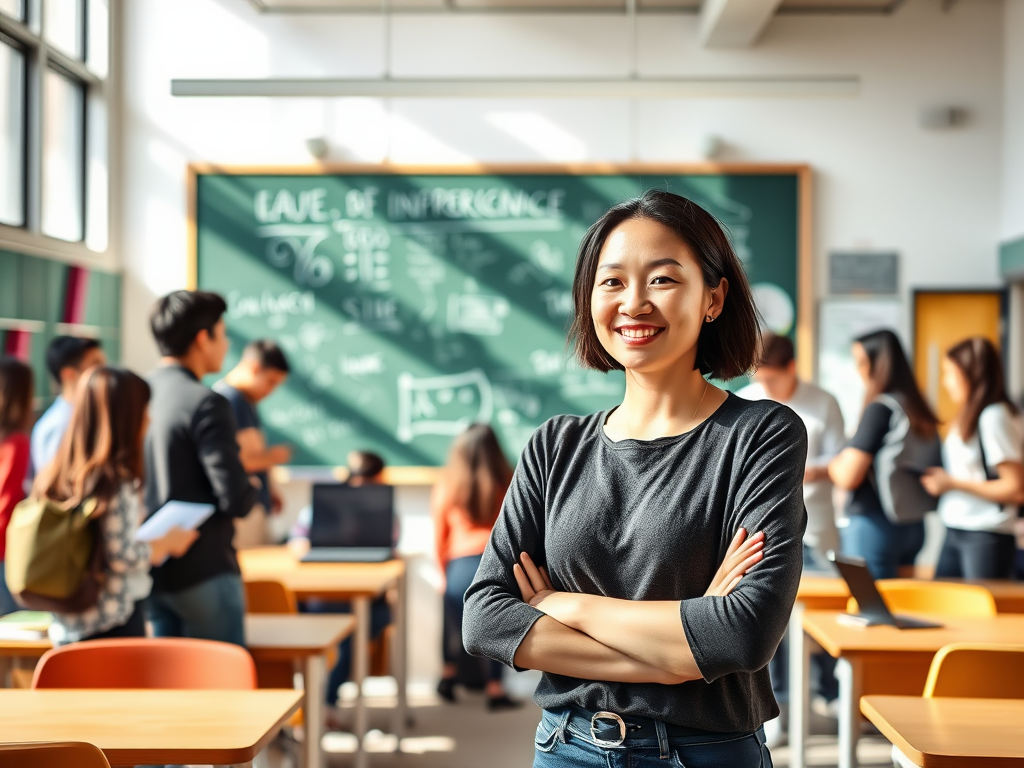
x=465 y=504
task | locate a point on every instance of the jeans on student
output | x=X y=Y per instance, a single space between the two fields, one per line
x=458 y=578
x=210 y=610
x=564 y=741
x=380 y=617
x=884 y=546
x=7 y=604
x=976 y=555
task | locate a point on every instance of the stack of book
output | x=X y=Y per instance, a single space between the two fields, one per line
x=24 y=625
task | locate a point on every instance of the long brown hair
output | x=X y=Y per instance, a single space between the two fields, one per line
x=102 y=448
x=477 y=474
x=891 y=374
x=16 y=386
x=982 y=368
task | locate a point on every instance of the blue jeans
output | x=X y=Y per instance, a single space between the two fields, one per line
x=884 y=545
x=564 y=742
x=210 y=610
x=7 y=604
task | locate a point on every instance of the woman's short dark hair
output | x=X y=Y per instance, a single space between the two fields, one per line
x=16 y=389
x=726 y=348
x=178 y=318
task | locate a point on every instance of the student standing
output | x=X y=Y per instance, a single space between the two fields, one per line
x=67 y=358
x=982 y=483
x=895 y=413
x=100 y=458
x=15 y=420
x=262 y=369
x=192 y=455
x=464 y=504
x=776 y=379
x=610 y=567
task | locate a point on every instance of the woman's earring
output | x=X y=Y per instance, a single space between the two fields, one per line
x=709 y=319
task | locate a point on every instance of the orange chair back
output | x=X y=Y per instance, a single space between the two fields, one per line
x=166 y=662
x=52 y=754
x=941 y=598
x=269 y=597
x=977 y=671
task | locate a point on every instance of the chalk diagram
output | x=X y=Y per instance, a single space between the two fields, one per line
x=544 y=264
x=294 y=245
x=427 y=272
x=442 y=405
x=367 y=260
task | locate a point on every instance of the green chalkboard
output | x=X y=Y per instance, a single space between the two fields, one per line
x=411 y=304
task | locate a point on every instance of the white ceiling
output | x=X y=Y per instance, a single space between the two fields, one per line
x=690 y=6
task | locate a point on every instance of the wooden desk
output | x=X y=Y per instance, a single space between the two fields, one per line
x=308 y=638
x=831 y=593
x=358 y=583
x=951 y=733
x=911 y=649
x=151 y=727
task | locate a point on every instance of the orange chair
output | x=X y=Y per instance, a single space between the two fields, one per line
x=977 y=671
x=52 y=754
x=166 y=662
x=269 y=597
x=941 y=598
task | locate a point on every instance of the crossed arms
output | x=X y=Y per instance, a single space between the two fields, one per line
x=631 y=641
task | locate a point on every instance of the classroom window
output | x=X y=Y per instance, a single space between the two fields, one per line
x=15 y=8
x=63 y=145
x=64 y=26
x=12 y=135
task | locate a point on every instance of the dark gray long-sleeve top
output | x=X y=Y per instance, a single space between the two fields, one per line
x=652 y=520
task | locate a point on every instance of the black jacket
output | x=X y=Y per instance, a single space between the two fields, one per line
x=192 y=455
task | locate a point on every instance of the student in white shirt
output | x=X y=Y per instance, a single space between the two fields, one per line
x=776 y=379
x=982 y=482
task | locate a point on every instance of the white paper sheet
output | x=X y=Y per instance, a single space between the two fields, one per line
x=181 y=514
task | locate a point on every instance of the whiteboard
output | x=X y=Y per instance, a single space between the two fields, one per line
x=840 y=321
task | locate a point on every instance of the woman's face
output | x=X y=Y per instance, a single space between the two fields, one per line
x=955 y=382
x=649 y=300
x=863 y=363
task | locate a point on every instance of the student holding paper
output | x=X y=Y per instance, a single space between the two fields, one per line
x=192 y=455
x=100 y=457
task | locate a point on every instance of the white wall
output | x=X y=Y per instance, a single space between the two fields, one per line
x=880 y=180
x=1013 y=131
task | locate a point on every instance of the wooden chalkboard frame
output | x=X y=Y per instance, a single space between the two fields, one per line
x=805 y=327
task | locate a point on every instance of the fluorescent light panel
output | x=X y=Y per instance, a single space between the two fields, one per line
x=646 y=88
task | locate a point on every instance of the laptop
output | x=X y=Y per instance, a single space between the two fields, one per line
x=351 y=525
x=873 y=609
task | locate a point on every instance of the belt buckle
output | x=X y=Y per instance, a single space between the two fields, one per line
x=607 y=716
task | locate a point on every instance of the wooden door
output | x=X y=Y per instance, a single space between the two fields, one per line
x=941 y=319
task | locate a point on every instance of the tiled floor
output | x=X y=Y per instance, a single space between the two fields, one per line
x=465 y=735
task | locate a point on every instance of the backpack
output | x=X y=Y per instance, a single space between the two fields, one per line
x=898 y=465
x=54 y=561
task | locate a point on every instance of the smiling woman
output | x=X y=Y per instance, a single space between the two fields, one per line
x=621 y=564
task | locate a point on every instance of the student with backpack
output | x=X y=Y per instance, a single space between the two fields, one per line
x=982 y=483
x=99 y=467
x=192 y=455
x=15 y=422
x=881 y=467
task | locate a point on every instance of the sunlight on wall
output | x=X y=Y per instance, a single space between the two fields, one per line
x=550 y=141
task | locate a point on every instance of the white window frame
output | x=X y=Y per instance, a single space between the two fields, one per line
x=101 y=107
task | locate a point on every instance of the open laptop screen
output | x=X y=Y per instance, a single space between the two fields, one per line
x=344 y=516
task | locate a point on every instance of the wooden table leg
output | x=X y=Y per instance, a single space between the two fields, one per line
x=360 y=670
x=314 y=674
x=5 y=670
x=799 y=688
x=849 y=672
x=400 y=664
